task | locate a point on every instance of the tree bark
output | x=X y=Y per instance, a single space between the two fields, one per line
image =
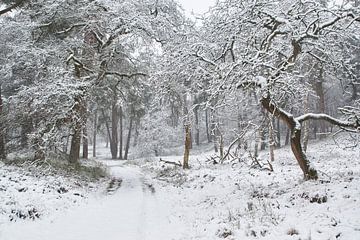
x=108 y=135
x=295 y=139
x=271 y=138
x=319 y=89
x=214 y=133
x=287 y=137
x=136 y=132
x=26 y=128
x=114 y=130
x=221 y=147
x=197 y=130
x=95 y=132
x=256 y=145
x=278 y=133
x=85 y=142
x=306 y=124
x=262 y=132
x=208 y=135
x=2 y=142
x=80 y=111
x=187 y=147
x=127 y=147
x=120 y=133
x=75 y=144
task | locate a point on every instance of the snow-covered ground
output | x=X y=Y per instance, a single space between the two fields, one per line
x=30 y=192
x=154 y=200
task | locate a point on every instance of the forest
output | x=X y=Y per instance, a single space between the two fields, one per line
x=241 y=122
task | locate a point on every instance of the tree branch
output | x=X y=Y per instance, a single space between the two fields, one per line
x=169 y=162
x=121 y=75
x=332 y=120
x=17 y=3
x=71 y=28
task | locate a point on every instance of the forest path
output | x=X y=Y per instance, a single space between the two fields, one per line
x=134 y=211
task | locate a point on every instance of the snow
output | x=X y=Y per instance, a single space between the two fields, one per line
x=261 y=81
x=133 y=212
x=319 y=116
x=26 y=193
x=230 y=200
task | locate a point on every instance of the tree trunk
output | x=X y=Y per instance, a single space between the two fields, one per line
x=221 y=147
x=197 y=130
x=106 y=140
x=120 y=133
x=295 y=139
x=114 y=130
x=187 y=147
x=127 y=147
x=309 y=173
x=319 y=89
x=85 y=142
x=256 y=145
x=208 y=135
x=271 y=138
x=262 y=132
x=39 y=150
x=214 y=134
x=306 y=124
x=66 y=144
x=75 y=144
x=315 y=131
x=80 y=111
x=278 y=133
x=26 y=128
x=136 y=133
x=2 y=142
x=262 y=139
x=174 y=114
x=108 y=135
x=287 y=137
x=95 y=132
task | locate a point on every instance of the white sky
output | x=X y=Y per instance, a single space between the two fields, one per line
x=197 y=6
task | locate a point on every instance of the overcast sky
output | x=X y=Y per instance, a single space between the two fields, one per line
x=197 y=6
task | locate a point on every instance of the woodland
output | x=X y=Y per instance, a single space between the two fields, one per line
x=83 y=80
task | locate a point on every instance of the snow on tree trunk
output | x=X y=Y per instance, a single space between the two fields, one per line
x=75 y=143
x=79 y=112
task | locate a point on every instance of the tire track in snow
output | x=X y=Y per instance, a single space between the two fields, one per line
x=132 y=213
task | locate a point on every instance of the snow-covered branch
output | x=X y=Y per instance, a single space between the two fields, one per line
x=17 y=3
x=332 y=120
x=71 y=28
x=121 y=75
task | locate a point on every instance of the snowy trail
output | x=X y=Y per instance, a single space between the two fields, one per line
x=133 y=212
